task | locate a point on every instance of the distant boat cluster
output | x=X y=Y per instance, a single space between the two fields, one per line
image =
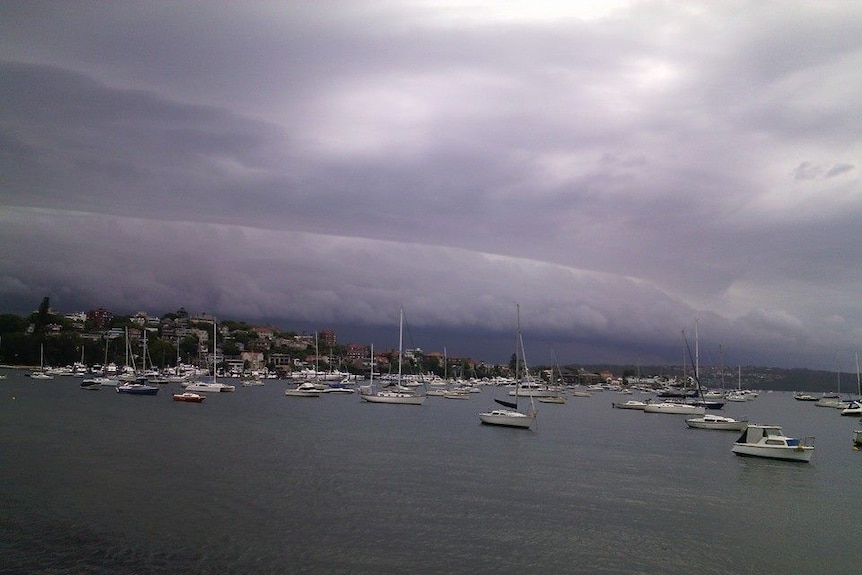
x=686 y=397
x=756 y=440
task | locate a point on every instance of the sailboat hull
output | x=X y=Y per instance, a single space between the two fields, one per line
x=302 y=392
x=798 y=453
x=395 y=398
x=666 y=407
x=716 y=422
x=507 y=418
x=138 y=389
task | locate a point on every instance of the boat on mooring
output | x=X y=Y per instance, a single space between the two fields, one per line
x=508 y=415
x=673 y=407
x=630 y=404
x=396 y=393
x=710 y=421
x=210 y=387
x=304 y=389
x=140 y=386
x=770 y=442
x=189 y=397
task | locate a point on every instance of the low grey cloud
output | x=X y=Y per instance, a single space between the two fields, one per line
x=839 y=169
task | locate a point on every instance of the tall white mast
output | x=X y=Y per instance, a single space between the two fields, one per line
x=214 y=350
x=400 y=340
x=696 y=353
x=858 y=383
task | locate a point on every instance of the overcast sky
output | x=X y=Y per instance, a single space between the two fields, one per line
x=620 y=173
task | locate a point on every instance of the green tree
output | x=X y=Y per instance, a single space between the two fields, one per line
x=162 y=353
x=42 y=317
x=11 y=323
x=230 y=348
x=17 y=348
x=122 y=321
x=189 y=347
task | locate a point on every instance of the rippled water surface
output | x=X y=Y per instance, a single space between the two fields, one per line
x=256 y=482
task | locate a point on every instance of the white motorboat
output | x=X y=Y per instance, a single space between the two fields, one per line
x=337 y=388
x=552 y=399
x=209 y=387
x=857 y=437
x=710 y=421
x=90 y=384
x=770 y=442
x=673 y=407
x=854 y=408
x=533 y=389
x=140 y=387
x=305 y=389
x=109 y=381
x=828 y=402
x=630 y=404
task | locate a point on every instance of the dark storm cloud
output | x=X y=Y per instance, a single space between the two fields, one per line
x=618 y=172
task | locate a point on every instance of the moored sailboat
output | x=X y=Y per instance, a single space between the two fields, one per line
x=42 y=373
x=674 y=407
x=210 y=386
x=684 y=406
x=508 y=415
x=710 y=421
x=395 y=393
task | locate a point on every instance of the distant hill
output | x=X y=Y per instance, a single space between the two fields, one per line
x=753 y=377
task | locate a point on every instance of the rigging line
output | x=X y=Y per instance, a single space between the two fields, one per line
x=694 y=372
x=407 y=329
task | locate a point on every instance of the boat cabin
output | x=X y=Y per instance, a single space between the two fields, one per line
x=766 y=435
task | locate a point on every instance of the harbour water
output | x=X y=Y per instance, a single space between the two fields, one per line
x=95 y=482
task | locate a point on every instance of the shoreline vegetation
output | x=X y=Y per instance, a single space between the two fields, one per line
x=99 y=336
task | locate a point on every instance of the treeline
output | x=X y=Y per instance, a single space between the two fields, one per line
x=23 y=339
x=52 y=339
